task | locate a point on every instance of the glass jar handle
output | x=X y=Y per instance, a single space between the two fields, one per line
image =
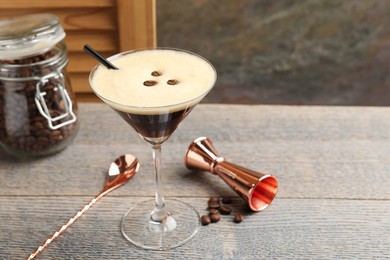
x=43 y=108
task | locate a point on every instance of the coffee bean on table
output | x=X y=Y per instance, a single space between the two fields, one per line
x=214 y=205
x=216 y=208
x=213 y=211
x=214 y=218
x=205 y=220
x=225 y=210
x=214 y=199
x=238 y=218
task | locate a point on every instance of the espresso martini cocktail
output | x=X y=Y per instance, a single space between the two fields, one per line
x=154 y=90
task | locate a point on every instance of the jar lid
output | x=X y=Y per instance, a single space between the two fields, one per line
x=24 y=36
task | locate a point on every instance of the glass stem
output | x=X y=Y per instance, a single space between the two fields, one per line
x=159 y=214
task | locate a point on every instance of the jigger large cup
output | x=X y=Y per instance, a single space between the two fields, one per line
x=257 y=189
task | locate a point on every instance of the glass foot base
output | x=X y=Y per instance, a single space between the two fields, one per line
x=178 y=228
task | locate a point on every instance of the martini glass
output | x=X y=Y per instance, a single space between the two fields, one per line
x=153 y=93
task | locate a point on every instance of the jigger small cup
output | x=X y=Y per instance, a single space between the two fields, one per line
x=256 y=188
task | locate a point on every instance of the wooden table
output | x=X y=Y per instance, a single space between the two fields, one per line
x=333 y=165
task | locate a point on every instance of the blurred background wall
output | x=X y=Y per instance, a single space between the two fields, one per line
x=314 y=52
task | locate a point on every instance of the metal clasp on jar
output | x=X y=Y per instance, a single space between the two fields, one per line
x=44 y=109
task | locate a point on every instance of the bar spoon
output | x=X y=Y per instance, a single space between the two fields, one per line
x=121 y=170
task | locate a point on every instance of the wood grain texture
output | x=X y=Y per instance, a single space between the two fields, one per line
x=80 y=63
x=75 y=18
x=289 y=229
x=137 y=24
x=333 y=165
x=55 y=4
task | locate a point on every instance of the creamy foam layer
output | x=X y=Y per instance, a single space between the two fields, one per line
x=124 y=89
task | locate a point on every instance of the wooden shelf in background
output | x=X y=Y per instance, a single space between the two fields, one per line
x=87 y=97
x=110 y=26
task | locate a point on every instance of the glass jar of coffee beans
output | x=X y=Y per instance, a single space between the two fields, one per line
x=38 y=112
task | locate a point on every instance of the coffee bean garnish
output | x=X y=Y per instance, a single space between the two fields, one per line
x=173 y=82
x=150 y=83
x=205 y=220
x=156 y=73
x=238 y=218
x=214 y=218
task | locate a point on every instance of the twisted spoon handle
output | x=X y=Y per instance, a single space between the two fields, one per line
x=65 y=226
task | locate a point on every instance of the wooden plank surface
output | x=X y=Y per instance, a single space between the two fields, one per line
x=289 y=229
x=333 y=165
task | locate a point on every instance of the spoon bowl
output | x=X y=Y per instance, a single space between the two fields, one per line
x=121 y=170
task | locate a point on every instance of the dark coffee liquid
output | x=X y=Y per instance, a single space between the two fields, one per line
x=155 y=125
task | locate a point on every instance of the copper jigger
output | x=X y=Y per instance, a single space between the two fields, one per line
x=257 y=189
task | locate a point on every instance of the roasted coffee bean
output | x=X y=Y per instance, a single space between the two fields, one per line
x=238 y=218
x=56 y=135
x=213 y=211
x=214 y=199
x=38 y=125
x=42 y=132
x=205 y=220
x=156 y=73
x=225 y=210
x=226 y=200
x=214 y=205
x=150 y=83
x=173 y=82
x=214 y=218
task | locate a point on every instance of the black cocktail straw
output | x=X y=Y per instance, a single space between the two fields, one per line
x=99 y=57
